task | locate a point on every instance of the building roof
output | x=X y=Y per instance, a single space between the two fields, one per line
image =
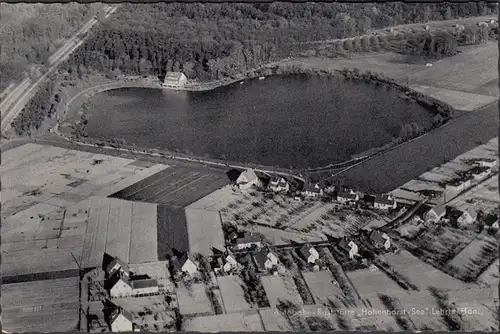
x=143 y=283
x=260 y=259
x=312 y=187
x=478 y=170
x=385 y=199
x=114 y=262
x=346 y=193
x=344 y=244
x=173 y=76
x=247 y=176
x=179 y=261
x=248 y=238
x=306 y=250
x=471 y=212
x=377 y=236
x=119 y=311
x=439 y=210
x=277 y=181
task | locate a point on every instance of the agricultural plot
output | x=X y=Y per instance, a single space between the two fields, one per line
x=370 y=282
x=41 y=306
x=406 y=195
x=435 y=176
x=321 y=285
x=158 y=270
x=193 y=300
x=29 y=261
x=174 y=186
x=473 y=259
x=233 y=296
x=280 y=237
x=477 y=307
x=172 y=231
x=204 y=231
x=217 y=200
x=274 y=320
x=420 y=273
x=120 y=226
x=420 y=307
x=418 y=185
x=234 y=322
x=283 y=288
x=490 y=275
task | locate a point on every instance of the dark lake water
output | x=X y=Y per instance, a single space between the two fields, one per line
x=299 y=121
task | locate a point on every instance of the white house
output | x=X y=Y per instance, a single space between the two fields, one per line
x=121 y=320
x=185 y=264
x=435 y=214
x=309 y=253
x=347 y=196
x=385 y=202
x=278 y=184
x=230 y=263
x=175 y=80
x=121 y=288
x=312 y=190
x=248 y=241
x=354 y=249
x=495 y=225
x=117 y=266
x=265 y=260
x=380 y=240
x=487 y=163
x=248 y=179
x=468 y=217
x=124 y=287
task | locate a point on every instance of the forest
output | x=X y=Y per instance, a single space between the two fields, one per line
x=208 y=41
x=30 y=33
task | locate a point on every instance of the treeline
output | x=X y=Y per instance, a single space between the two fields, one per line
x=30 y=33
x=41 y=106
x=209 y=41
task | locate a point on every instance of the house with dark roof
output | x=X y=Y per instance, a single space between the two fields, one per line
x=175 y=80
x=385 y=202
x=249 y=240
x=312 y=190
x=347 y=196
x=309 y=253
x=117 y=266
x=380 y=239
x=435 y=214
x=248 y=179
x=125 y=287
x=278 y=184
x=265 y=260
x=185 y=263
x=120 y=320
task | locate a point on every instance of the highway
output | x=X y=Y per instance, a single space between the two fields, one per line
x=19 y=95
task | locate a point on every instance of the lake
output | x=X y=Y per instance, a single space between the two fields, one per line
x=299 y=120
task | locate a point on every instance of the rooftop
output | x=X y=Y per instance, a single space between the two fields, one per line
x=384 y=199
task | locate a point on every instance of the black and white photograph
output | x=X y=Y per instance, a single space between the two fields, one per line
x=249 y=166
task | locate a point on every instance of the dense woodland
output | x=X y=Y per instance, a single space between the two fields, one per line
x=30 y=33
x=208 y=41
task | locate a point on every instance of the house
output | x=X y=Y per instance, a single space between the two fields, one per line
x=435 y=214
x=248 y=241
x=175 y=80
x=468 y=217
x=459 y=27
x=309 y=253
x=312 y=190
x=230 y=263
x=347 y=196
x=248 y=179
x=353 y=251
x=265 y=260
x=380 y=240
x=121 y=320
x=125 y=287
x=185 y=264
x=486 y=163
x=116 y=266
x=458 y=185
x=479 y=173
x=385 y=202
x=495 y=225
x=278 y=184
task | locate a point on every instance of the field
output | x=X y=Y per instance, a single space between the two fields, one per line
x=321 y=286
x=370 y=283
x=490 y=275
x=193 y=300
x=175 y=186
x=273 y=320
x=277 y=288
x=217 y=200
x=204 y=231
x=41 y=306
x=420 y=273
x=172 y=231
x=471 y=260
x=280 y=237
x=459 y=100
x=134 y=225
x=234 y=322
x=232 y=294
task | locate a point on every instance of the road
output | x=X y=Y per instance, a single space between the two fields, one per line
x=18 y=96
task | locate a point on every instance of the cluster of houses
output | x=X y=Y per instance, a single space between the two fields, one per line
x=248 y=179
x=466 y=218
x=481 y=170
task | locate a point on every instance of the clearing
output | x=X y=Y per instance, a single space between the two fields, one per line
x=232 y=293
x=193 y=300
x=283 y=288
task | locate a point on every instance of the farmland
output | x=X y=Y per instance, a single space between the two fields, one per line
x=233 y=295
x=204 y=230
x=175 y=186
x=193 y=300
x=280 y=288
x=490 y=275
x=321 y=285
x=236 y=322
x=41 y=306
